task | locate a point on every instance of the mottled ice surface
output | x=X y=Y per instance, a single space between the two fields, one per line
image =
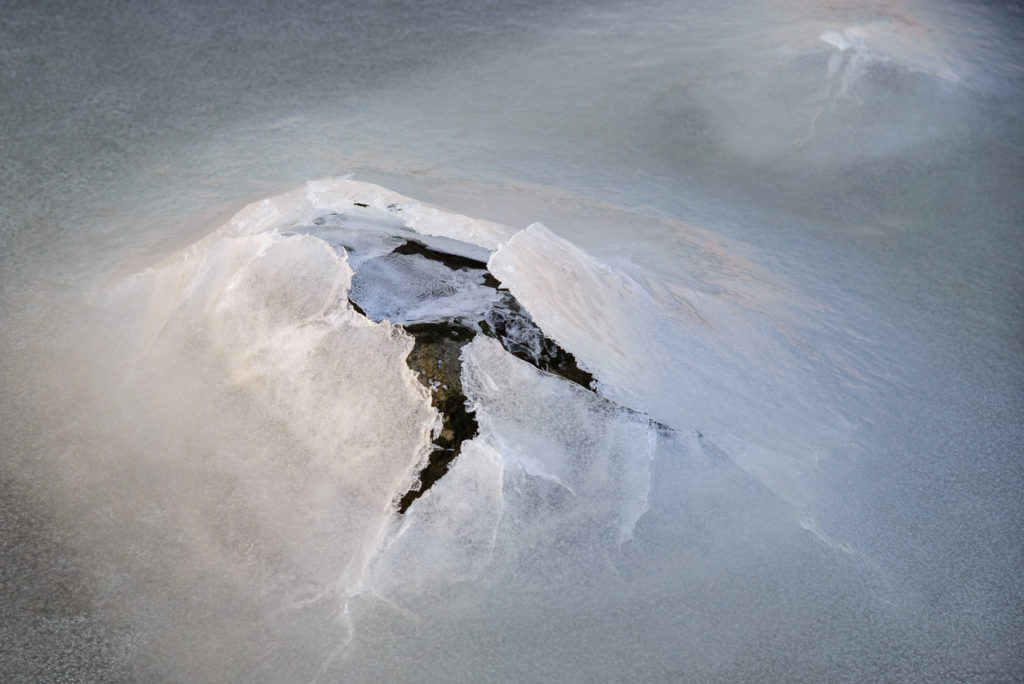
x=783 y=237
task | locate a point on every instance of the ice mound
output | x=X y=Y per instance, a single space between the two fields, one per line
x=332 y=315
x=411 y=413
x=689 y=354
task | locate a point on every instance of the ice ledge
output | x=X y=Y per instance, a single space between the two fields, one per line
x=316 y=197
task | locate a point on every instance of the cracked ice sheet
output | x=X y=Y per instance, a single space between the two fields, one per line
x=557 y=475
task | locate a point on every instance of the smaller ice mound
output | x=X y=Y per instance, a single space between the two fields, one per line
x=890 y=86
x=905 y=44
x=821 y=100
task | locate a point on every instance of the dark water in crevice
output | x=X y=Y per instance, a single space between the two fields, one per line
x=437 y=348
x=435 y=360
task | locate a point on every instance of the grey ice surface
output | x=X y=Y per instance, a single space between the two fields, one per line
x=789 y=232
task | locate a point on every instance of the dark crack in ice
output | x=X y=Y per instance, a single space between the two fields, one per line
x=443 y=296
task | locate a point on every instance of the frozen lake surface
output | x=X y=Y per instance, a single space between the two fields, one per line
x=701 y=320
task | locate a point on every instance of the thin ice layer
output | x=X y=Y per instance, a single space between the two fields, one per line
x=411 y=289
